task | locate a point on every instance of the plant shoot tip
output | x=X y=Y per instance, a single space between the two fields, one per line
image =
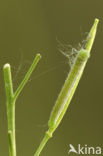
x=39 y=55
x=96 y=20
x=7 y=65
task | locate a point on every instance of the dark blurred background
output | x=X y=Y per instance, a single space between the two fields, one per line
x=31 y=26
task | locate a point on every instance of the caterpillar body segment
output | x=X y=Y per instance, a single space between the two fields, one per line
x=68 y=89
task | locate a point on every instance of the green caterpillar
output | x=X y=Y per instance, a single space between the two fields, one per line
x=68 y=88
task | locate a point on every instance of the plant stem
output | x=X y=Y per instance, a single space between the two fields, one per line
x=69 y=87
x=43 y=143
x=11 y=99
x=10 y=110
x=27 y=76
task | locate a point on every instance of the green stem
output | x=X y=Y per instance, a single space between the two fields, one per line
x=10 y=109
x=11 y=99
x=43 y=143
x=27 y=76
x=69 y=87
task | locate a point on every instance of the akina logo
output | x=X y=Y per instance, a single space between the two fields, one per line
x=87 y=150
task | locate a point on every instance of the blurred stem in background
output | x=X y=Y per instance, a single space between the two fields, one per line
x=11 y=99
x=69 y=87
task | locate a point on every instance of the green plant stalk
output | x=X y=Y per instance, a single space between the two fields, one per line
x=27 y=76
x=69 y=87
x=10 y=109
x=11 y=99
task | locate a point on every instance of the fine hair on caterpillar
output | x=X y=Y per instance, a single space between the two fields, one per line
x=69 y=51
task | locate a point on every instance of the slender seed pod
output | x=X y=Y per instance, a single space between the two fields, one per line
x=69 y=87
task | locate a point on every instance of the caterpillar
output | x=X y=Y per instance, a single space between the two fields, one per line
x=69 y=88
